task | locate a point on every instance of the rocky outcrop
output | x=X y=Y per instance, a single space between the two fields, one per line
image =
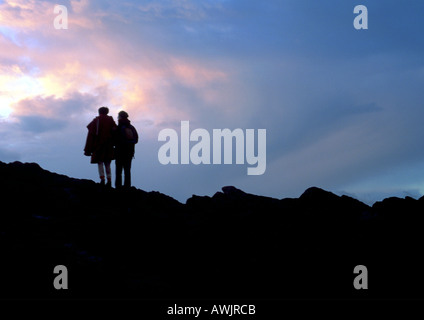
x=135 y=244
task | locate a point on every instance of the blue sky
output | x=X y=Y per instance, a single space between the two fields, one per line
x=342 y=107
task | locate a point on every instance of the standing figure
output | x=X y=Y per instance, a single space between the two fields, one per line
x=99 y=144
x=125 y=140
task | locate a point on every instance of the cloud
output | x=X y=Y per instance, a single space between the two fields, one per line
x=179 y=9
x=66 y=107
x=37 y=124
x=33 y=15
x=8 y=155
x=339 y=106
x=111 y=53
x=42 y=114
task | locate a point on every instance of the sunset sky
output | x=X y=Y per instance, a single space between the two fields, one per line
x=343 y=108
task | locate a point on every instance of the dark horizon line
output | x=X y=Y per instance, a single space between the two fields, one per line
x=232 y=188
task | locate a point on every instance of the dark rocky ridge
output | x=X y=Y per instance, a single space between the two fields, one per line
x=137 y=244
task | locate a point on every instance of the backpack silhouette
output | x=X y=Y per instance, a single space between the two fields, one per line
x=129 y=134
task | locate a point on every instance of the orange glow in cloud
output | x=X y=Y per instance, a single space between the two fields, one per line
x=196 y=76
x=85 y=58
x=24 y=14
x=31 y=15
x=15 y=85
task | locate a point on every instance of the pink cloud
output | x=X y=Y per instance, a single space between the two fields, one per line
x=141 y=78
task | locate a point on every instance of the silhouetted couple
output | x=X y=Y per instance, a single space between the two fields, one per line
x=107 y=141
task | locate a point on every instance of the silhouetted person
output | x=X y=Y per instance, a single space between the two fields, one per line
x=125 y=140
x=99 y=144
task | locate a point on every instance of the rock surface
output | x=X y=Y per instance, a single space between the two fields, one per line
x=137 y=244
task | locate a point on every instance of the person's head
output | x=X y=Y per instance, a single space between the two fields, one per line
x=122 y=115
x=104 y=110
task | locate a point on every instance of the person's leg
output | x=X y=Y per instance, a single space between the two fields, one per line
x=127 y=172
x=101 y=172
x=118 y=173
x=108 y=174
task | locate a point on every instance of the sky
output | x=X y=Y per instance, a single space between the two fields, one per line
x=342 y=108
